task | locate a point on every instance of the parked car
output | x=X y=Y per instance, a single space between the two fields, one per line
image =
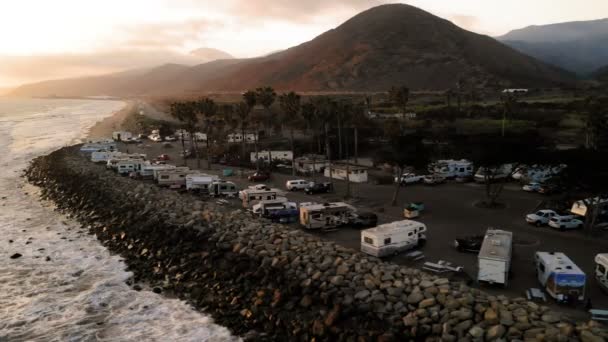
x=142 y=136
x=364 y=219
x=163 y=157
x=155 y=137
x=565 y=222
x=470 y=244
x=186 y=153
x=433 y=179
x=409 y=178
x=318 y=188
x=170 y=138
x=548 y=189
x=298 y=184
x=258 y=177
x=464 y=179
x=532 y=187
x=540 y=217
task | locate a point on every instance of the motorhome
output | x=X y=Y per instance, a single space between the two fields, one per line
x=113 y=162
x=126 y=166
x=250 y=138
x=252 y=196
x=354 y=173
x=493 y=174
x=284 y=156
x=326 y=216
x=121 y=135
x=494 y=259
x=537 y=173
x=267 y=207
x=200 y=182
x=104 y=156
x=561 y=278
x=310 y=163
x=393 y=238
x=601 y=270
x=580 y=207
x=452 y=168
x=172 y=178
x=147 y=171
x=223 y=188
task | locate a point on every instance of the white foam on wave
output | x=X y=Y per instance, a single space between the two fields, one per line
x=79 y=293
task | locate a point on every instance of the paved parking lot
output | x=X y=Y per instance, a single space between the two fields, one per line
x=450 y=213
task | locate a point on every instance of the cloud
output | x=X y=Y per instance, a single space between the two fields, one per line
x=467 y=22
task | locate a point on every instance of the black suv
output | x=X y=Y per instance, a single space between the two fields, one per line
x=318 y=188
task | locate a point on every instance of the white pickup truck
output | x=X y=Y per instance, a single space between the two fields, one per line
x=409 y=178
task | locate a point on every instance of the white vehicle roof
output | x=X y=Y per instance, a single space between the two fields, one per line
x=559 y=262
x=394 y=227
x=333 y=205
x=296 y=180
x=496 y=244
x=545 y=211
x=602 y=258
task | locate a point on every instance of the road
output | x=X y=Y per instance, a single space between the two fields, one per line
x=450 y=213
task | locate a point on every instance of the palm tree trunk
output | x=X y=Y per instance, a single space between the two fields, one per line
x=255 y=141
x=339 y=136
x=183 y=147
x=293 y=154
x=243 y=143
x=208 y=153
x=327 y=151
x=356 y=133
x=397 y=188
x=348 y=194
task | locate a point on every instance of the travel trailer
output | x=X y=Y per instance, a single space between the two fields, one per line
x=537 y=173
x=126 y=166
x=494 y=259
x=223 y=188
x=250 y=138
x=156 y=172
x=113 y=162
x=252 y=196
x=561 y=278
x=104 y=156
x=601 y=270
x=496 y=174
x=147 y=171
x=393 y=238
x=580 y=207
x=122 y=135
x=275 y=155
x=267 y=207
x=325 y=216
x=356 y=174
x=452 y=168
x=94 y=147
x=173 y=177
x=200 y=182
x=309 y=163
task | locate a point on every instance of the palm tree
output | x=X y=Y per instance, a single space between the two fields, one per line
x=250 y=99
x=508 y=103
x=242 y=112
x=326 y=110
x=176 y=110
x=185 y=112
x=208 y=109
x=400 y=96
x=266 y=97
x=290 y=104
x=308 y=115
x=357 y=119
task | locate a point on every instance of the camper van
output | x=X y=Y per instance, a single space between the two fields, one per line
x=560 y=277
x=223 y=188
x=452 y=168
x=200 y=182
x=121 y=135
x=393 y=238
x=252 y=196
x=267 y=207
x=126 y=166
x=497 y=174
x=172 y=177
x=326 y=216
x=601 y=270
x=494 y=259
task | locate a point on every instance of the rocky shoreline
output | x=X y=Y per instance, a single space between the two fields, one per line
x=268 y=282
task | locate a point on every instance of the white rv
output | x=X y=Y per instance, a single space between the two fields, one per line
x=147 y=171
x=156 y=172
x=173 y=177
x=126 y=166
x=452 y=168
x=392 y=238
x=200 y=182
x=560 y=277
x=94 y=147
x=121 y=135
x=267 y=207
x=494 y=259
x=325 y=216
x=601 y=270
x=252 y=196
x=223 y=188
x=104 y=156
x=275 y=155
x=113 y=162
x=496 y=174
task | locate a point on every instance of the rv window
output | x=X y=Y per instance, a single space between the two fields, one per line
x=601 y=269
x=223 y=187
x=387 y=241
x=410 y=234
x=541 y=267
x=316 y=216
x=369 y=241
x=164 y=177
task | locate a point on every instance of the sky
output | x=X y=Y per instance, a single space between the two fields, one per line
x=41 y=39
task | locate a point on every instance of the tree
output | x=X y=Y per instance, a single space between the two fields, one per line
x=242 y=111
x=400 y=96
x=176 y=110
x=290 y=104
x=508 y=104
x=309 y=113
x=266 y=97
x=596 y=123
x=250 y=98
x=208 y=109
x=185 y=112
x=326 y=110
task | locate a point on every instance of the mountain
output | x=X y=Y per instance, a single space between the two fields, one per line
x=580 y=47
x=601 y=74
x=381 y=47
x=210 y=54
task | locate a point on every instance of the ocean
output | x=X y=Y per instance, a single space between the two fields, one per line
x=66 y=286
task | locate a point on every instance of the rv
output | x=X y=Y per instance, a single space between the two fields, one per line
x=104 y=156
x=121 y=135
x=601 y=270
x=495 y=174
x=223 y=188
x=156 y=172
x=252 y=196
x=147 y=171
x=275 y=155
x=199 y=182
x=173 y=177
x=392 y=238
x=113 y=162
x=267 y=207
x=494 y=259
x=126 y=166
x=452 y=168
x=325 y=216
x=94 y=147
x=560 y=277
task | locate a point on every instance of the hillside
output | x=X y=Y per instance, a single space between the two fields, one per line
x=381 y=47
x=580 y=47
x=601 y=74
